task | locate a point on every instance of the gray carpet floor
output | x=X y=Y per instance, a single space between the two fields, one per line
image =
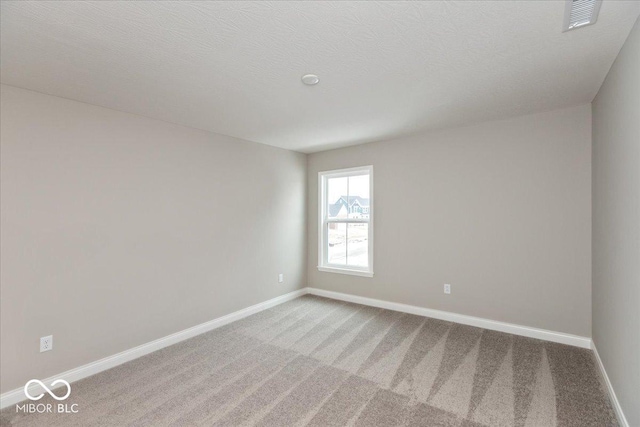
x=319 y=362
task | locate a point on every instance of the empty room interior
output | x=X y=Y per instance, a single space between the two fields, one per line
x=320 y=213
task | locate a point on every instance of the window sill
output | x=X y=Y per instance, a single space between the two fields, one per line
x=346 y=271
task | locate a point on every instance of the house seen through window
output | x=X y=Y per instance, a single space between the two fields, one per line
x=346 y=221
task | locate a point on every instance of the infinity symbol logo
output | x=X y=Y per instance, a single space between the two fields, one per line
x=47 y=389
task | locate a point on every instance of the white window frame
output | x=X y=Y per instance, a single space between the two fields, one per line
x=323 y=222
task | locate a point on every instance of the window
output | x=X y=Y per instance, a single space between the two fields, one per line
x=345 y=215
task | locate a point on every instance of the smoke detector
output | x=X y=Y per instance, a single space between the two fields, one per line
x=310 y=79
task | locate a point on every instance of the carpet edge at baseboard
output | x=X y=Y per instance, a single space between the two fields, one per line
x=17 y=395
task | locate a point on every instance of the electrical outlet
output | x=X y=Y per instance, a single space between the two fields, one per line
x=46 y=343
x=447 y=288
x=280 y=278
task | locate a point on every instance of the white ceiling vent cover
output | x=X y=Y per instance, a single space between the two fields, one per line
x=579 y=13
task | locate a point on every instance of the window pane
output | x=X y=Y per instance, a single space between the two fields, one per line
x=337 y=197
x=337 y=250
x=359 y=196
x=358 y=245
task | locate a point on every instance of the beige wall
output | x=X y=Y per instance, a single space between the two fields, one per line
x=117 y=223
x=500 y=210
x=616 y=225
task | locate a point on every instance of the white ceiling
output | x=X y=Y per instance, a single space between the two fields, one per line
x=386 y=69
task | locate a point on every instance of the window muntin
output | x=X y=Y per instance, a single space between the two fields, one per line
x=346 y=221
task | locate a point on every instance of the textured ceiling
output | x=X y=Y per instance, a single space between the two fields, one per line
x=386 y=69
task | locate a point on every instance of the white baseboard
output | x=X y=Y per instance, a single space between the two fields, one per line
x=511 y=328
x=541 y=334
x=614 y=399
x=15 y=396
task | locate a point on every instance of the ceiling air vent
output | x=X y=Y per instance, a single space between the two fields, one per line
x=579 y=13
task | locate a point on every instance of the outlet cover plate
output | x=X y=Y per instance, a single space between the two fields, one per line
x=46 y=343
